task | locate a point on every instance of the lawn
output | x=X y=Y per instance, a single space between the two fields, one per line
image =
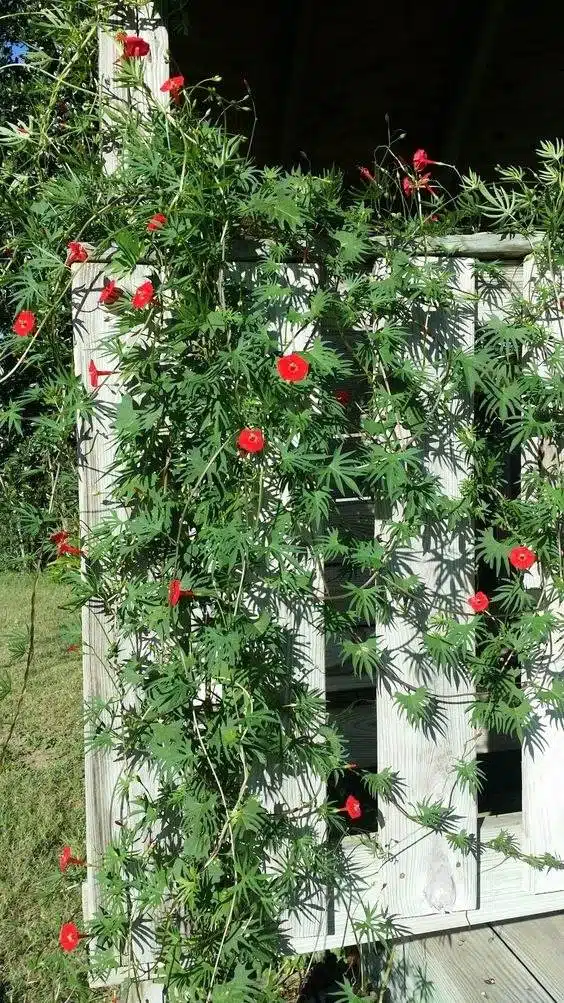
x=41 y=794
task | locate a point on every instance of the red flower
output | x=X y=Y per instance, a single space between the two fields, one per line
x=420 y=184
x=24 y=323
x=522 y=558
x=134 y=47
x=65 y=549
x=143 y=296
x=251 y=440
x=61 y=536
x=94 y=373
x=365 y=174
x=421 y=161
x=173 y=86
x=408 y=186
x=69 y=936
x=292 y=368
x=73 y=647
x=176 y=592
x=110 y=293
x=76 y=252
x=156 y=222
x=479 y=602
x=343 y=396
x=352 y=807
x=67 y=860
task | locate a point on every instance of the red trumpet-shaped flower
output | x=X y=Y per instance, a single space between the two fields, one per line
x=365 y=174
x=176 y=592
x=173 y=86
x=67 y=550
x=67 y=860
x=410 y=185
x=133 y=46
x=421 y=161
x=94 y=373
x=478 y=602
x=143 y=296
x=522 y=558
x=24 y=323
x=292 y=368
x=251 y=440
x=76 y=252
x=61 y=536
x=156 y=222
x=69 y=936
x=110 y=294
x=352 y=807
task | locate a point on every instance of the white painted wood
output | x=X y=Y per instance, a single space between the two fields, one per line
x=302 y=793
x=156 y=66
x=492 y=246
x=502 y=894
x=116 y=98
x=424 y=875
x=543 y=754
x=107 y=802
x=90 y=319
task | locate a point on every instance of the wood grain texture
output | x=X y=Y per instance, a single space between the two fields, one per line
x=106 y=803
x=472 y=966
x=543 y=752
x=302 y=791
x=501 y=890
x=114 y=97
x=156 y=65
x=488 y=246
x=425 y=875
x=538 y=944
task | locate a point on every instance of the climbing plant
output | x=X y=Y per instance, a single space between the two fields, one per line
x=234 y=448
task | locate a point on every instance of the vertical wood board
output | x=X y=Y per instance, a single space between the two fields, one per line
x=146 y=23
x=308 y=641
x=107 y=805
x=543 y=753
x=425 y=874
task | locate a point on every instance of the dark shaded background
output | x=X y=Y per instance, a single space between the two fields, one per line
x=473 y=84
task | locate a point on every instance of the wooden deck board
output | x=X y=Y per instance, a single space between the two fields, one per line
x=538 y=943
x=473 y=966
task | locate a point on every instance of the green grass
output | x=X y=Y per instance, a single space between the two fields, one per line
x=41 y=796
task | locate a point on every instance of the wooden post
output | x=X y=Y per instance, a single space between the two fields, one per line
x=543 y=752
x=105 y=805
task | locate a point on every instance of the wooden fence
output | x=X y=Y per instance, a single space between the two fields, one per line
x=422 y=880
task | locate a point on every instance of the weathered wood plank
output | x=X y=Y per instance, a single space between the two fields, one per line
x=302 y=791
x=146 y=23
x=156 y=66
x=543 y=753
x=502 y=894
x=489 y=246
x=425 y=875
x=106 y=804
x=472 y=965
x=538 y=945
